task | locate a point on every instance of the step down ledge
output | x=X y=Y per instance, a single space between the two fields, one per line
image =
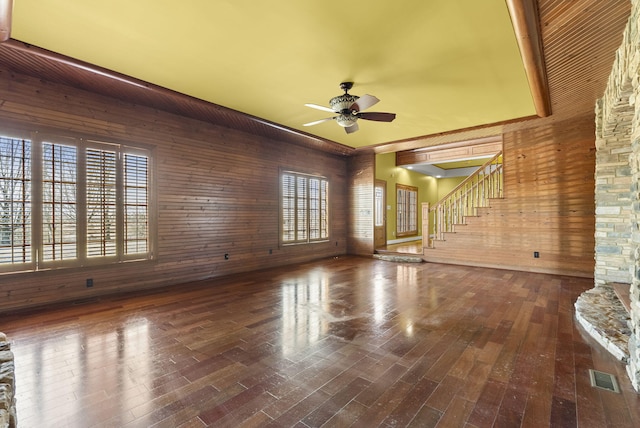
x=401 y=258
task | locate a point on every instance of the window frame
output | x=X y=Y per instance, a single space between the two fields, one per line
x=406 y=210
x=324 y=213
x=82 y=143
x=38 y=200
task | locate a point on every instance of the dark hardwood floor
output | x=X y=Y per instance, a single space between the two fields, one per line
x=340 y=342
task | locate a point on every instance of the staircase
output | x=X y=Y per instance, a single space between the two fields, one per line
x=462 y=202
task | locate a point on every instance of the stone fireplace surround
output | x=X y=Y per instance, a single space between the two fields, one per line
x=8 y=418
x=617 y=188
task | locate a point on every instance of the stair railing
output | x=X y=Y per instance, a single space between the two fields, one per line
x=472 y=193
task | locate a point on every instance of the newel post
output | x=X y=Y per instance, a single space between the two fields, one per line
x=425 y=225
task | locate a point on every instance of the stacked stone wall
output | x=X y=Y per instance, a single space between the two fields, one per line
x=614 y=118
x=617 y=179
x=613 y=200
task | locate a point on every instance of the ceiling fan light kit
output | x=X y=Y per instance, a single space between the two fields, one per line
x=349 y=109
x=346 y=120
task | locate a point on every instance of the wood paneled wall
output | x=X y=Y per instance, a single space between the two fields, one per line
x=548 y=206
x=463 y=150
x=217 y=193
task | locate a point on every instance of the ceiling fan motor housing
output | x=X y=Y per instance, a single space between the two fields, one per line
x=342 y=103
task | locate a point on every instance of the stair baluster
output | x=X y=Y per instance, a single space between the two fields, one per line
x=476 y=191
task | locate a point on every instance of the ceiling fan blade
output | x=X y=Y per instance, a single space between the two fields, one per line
x=379 y=117
x=319 y=121
x=323 y=108
x=351 y=129
x=364 y=102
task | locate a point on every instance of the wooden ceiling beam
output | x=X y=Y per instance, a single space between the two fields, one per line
x=526 y=25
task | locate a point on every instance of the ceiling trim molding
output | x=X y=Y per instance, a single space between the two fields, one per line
x=6 y=9
x=526 y=24
x=63 y=60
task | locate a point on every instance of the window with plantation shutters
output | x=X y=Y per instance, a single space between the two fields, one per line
x=304 y=208
x=71 y=202
x=101 y=203
x=288 y=208
x=136 y=204
x=59 y=205
x=318 y=209
x=15 y=202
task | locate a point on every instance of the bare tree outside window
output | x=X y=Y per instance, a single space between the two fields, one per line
x=15 y=202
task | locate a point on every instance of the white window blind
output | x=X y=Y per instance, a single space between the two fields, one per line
x=288 y=208
x=136 y=204
x=15 y=203
x=101 y=203
x=302 y=209
x=318 y=209
x=59 y=186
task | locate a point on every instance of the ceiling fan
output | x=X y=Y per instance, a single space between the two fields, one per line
x=349 y=109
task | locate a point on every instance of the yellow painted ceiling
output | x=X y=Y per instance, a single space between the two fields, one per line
x=440 y=65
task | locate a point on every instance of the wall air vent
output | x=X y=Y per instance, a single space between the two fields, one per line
x=603 y=381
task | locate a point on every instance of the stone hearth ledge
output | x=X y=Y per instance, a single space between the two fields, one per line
x=604 y=317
